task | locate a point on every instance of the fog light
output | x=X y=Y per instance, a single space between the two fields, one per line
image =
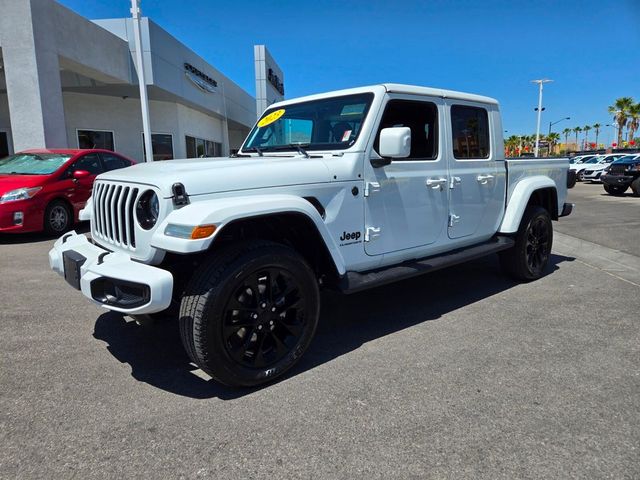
x=18 y=218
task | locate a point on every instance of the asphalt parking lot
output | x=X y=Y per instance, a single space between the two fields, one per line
x=461 y=374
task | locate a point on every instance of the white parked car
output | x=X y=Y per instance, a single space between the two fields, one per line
x=580 y=163
x=346 y=190
x=592 y=172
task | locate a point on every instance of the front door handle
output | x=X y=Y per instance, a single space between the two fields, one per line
x=436 y=183
x=484 y=179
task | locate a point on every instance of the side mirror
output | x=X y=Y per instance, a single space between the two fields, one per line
x=78 y=174
x=395 y=142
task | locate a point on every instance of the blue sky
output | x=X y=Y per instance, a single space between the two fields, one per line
x=591 y=48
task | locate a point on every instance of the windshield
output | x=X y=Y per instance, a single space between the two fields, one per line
x=327 y=124
x=592 y=160
x=626 y=158
x=32 y=163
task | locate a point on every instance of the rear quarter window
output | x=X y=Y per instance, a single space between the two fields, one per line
x=470 y=132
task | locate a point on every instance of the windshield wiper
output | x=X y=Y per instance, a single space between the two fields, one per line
x=254 y=149
x=298 y=147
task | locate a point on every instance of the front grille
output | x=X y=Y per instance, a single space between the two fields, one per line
x=617 y=169
x=113 y=217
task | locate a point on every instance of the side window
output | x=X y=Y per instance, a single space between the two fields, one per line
x=113 y=162
x=90 y=163
x=470 y=132
x=421 y=118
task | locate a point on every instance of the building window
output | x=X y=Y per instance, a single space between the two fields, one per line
x=198 y=148
x=162 y=146
x=470 y=130
x=95 y=139
x=4 y=144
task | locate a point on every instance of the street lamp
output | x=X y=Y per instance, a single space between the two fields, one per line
x=553 y=123
x=540 y=82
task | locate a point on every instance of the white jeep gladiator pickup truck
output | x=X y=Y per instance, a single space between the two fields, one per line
x=348 y=190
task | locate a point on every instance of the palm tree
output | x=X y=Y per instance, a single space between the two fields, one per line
x=634 y=119
x=586 y=129
x=566 y=132
x=597 y=127
x=620 y=111
x=552 y=138
x=511 y=144
x=577 y=130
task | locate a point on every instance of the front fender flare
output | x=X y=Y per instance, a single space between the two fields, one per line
x=223 y=211
x=519 y=199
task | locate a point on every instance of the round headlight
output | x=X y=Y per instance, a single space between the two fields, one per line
x=148 y=209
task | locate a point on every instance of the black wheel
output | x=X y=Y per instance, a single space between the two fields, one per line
x=58 y=218
x=571 y=179
x=580 y=176
x=615 y=189
x=249 y=313
x=635 y=186
x=529 y=257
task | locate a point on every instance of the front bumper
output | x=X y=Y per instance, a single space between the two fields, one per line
x=617 y=180
x=111 y=279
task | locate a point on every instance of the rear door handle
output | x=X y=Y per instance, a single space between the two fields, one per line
x=436 y=183
x=484 y=179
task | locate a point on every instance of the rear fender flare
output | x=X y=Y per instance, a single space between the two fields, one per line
x=519 y=199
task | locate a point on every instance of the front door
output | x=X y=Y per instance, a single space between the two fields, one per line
x=476 y=172
x=406 y=201
x=79 y=190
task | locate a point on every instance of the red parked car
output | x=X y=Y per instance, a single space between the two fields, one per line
x=45 y=189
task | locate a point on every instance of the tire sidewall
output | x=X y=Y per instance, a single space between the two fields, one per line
x=217 y=357
x=531 y=215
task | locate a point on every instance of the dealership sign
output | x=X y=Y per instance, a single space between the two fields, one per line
x=275 y=81
x=200 y=79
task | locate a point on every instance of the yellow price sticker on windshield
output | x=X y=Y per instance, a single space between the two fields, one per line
x=272 y=117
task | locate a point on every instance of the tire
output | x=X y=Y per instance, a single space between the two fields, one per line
x=277 y=305
x=615 y=189
x=529 y=257
x=580 y=176
x=635 y=186
x=571 y=179
x=58 y=218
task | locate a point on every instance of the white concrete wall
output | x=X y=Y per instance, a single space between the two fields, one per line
x=122 y=116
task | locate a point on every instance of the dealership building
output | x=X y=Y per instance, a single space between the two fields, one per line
x=66 y=81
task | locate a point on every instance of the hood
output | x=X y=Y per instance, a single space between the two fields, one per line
x=13 y=182
x=211 y=175
x=597 y=166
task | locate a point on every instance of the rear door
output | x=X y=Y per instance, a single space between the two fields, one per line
x=476 y=169
x=406 y=201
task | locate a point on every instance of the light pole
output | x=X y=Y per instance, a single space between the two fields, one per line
x=551 y=124
x=142 y=82
x=540 y=82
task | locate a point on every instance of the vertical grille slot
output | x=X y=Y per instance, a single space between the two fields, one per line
x=130 y=218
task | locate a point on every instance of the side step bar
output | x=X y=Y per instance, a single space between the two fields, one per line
x=353 y=282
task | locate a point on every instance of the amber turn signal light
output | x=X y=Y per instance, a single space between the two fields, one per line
x=202 y=231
